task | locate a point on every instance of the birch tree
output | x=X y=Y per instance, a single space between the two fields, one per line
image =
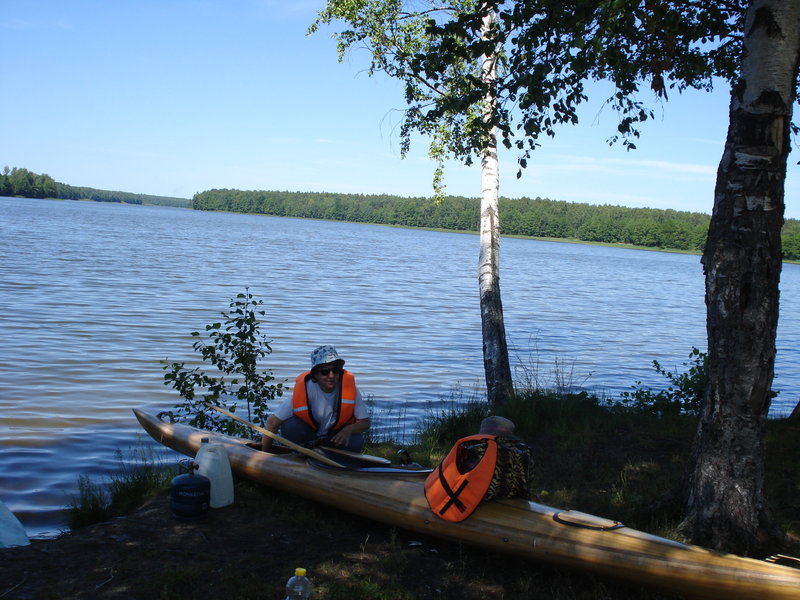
x=673 y=45
x=550 y=48
x=448 y=102
x=726 y=506
x=495 y=348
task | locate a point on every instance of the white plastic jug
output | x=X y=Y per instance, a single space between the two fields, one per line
x=212 y=461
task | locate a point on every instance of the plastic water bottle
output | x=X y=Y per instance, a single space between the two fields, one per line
x=298 y=587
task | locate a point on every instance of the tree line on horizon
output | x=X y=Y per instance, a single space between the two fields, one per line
x=27 y=184
x=531 y=217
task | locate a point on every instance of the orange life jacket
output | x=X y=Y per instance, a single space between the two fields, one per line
x=453 y=495
x=343 y=410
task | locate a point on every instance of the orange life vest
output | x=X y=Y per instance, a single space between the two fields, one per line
x=453 y=495
x=343 y=410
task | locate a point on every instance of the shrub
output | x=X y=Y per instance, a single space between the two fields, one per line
x=234 y=348
x=684 y=395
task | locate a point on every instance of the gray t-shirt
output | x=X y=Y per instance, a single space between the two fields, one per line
x=321 y=406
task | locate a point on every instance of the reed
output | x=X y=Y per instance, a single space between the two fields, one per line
x=137 y=478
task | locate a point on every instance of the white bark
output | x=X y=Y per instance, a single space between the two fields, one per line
x=726 y=503
x=768 y=60
x=489 y=260
x=495 y=350
x=770 y=57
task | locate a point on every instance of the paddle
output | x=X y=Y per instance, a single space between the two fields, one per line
x=364 y=457
x=278 y=438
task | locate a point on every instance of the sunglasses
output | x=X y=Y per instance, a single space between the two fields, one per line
x=328 y=370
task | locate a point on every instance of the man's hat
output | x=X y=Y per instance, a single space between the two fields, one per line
x=496 y=425
x=324 y=355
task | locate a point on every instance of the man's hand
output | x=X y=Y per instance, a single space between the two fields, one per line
x=342 y=437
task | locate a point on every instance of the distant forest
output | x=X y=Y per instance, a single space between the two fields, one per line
x=538 y=217
x=21 y=182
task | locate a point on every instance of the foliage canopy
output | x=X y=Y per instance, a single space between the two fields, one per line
x=548 y=50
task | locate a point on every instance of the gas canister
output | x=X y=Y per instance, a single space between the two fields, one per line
x=190 y=494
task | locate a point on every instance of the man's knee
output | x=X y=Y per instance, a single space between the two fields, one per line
x=297 y=431
x=356 y=443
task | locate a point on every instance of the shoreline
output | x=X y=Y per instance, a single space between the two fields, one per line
x=435 y=229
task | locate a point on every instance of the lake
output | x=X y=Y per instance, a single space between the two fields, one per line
x=93 y=296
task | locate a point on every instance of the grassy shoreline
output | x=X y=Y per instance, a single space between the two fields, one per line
x=625 y=465
x=624 y=459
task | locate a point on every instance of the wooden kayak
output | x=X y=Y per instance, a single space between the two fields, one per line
x=518 y=527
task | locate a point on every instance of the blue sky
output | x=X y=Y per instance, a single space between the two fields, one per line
x=173 y=97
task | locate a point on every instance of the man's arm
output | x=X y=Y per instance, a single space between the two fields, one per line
x=273 y=424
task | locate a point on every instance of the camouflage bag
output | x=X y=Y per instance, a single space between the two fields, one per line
x=513 y=474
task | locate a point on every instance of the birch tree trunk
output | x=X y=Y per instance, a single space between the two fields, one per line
x=726 y=502
x=495 y=350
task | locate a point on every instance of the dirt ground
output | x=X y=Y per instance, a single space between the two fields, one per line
x=249 y=549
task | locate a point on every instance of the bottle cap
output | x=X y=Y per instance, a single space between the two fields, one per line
x=300 y=571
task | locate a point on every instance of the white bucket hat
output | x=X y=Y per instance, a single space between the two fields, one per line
x=324 y=355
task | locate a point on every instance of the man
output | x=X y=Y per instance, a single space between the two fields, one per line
x=325 y=404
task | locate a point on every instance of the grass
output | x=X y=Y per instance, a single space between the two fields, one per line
x=347 y=557
x=137 y=479
x=625 y=464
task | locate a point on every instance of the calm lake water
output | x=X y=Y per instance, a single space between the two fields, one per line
x=93 y=296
